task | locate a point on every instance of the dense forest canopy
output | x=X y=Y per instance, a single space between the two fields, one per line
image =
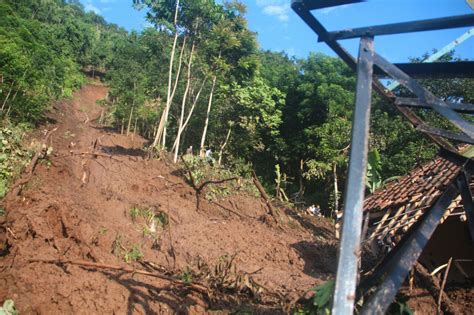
x=198 y=78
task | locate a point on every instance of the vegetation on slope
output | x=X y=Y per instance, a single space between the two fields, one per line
x=198 y=78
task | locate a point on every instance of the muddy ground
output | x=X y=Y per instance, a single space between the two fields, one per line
x=76 y=207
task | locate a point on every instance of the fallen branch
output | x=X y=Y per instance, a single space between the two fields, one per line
x=265 y=197
x=433 y=286
x=441 y=291
x=195 y=286
x=201 y=187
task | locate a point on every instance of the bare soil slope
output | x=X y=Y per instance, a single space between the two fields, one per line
x=76 y=207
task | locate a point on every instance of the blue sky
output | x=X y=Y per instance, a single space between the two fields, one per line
x=280 y=29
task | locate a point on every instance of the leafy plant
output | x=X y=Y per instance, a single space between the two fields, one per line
x=135 y=212
x=133 y=254
x=13 y=155
x=187 y=275
x=374 y=168
x=320 y=303
x=8 y=308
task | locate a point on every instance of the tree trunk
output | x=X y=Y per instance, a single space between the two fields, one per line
x=183 y=104
x=190 y=113
x=301 y=181
x=202 y=149
x=336 y=190
x=164 y=119
x=8 y=96
x=224 y=145
x=131 y=110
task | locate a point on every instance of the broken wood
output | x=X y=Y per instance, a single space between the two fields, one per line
x=441 y=291
x=433 y=286
x=199 y=189
x=194 y=286
x=264 y=195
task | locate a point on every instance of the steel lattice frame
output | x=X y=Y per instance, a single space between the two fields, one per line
x=370 y=66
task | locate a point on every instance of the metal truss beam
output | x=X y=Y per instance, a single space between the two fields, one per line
x=463 y=185
x=399 y=28
x=425 y=96
x=303 y=12
x=458 y=69
x=320 y=4
x=460 y=137
x=415 y=102
x=392 y=271
x=348 y=264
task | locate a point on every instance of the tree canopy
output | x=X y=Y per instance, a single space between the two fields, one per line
x=199 y=75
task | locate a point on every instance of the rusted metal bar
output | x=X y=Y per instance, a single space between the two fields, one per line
x=425 y=95
x=349 y=249
x=445 y=134
x=414 y=102
x=405 y=27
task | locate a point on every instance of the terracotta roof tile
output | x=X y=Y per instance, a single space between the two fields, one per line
x=427 y=180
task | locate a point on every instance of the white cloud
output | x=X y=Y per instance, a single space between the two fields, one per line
x=278 y=8
x=90 y=7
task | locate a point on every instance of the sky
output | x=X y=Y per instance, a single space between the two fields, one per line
x=278 y=28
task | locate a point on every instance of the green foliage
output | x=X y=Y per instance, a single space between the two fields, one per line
x=8 y=308
x=203 y=171
x=13 y=155
x=320 y=302
x=187 y=275
x=374 y=167
x=133 y=254
x=43 y=47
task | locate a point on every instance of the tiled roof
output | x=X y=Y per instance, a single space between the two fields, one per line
x=424 y=183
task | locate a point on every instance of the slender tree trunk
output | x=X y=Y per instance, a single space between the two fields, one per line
x=183 y=104
x=131 y=110
x=180 y=62
x=190 y=113
x=206 y=123
x=8 y=96
x=11 y=103
x=129 y=125
x=164 y=119
x=224 y=145
x=301 y=181
x=160 y=134
x=336 y=190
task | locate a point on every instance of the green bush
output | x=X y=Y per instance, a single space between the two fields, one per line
x=13 y=156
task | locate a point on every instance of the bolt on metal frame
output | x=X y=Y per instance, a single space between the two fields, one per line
x=398 y=263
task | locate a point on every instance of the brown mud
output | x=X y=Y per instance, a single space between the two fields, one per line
x=76 y=207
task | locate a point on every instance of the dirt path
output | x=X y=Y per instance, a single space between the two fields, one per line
x=77 y=207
